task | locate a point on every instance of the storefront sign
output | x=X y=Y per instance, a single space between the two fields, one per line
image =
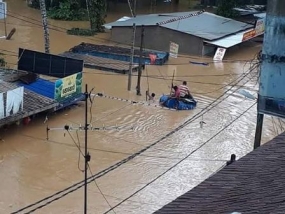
x=68 y=87
x=249 y=35
x=173 y=52
x=220 y=53
x=259 y=27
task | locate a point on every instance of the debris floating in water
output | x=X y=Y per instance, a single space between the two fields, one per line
x=199 y=63
x=246 y=94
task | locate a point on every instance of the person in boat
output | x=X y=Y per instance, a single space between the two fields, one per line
x=184 y=91
x=150 y=97
x=177 y=93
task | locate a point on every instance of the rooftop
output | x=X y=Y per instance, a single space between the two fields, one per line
x=33 y=102
x=253 y=184
x=205 y=25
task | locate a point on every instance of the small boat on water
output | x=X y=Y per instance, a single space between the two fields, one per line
x=182 y=104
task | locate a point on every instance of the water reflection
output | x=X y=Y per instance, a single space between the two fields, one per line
x=32 y=168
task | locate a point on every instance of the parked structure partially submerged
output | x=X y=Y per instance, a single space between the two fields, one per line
x=27 y=91
x=197 y=33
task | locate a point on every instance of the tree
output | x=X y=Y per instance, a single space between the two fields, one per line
x=45 y=24
x=225 y=8
x=98 y=10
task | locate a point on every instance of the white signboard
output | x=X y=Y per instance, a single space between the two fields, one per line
x=2 y=112
x=173 y=50
x=13 y=103
x=220 y=53
x=259 y=27
x=3 y=10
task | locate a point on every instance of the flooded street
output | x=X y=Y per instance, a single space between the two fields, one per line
x=32 y=168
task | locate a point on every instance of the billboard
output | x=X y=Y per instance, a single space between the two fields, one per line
x=11 y=102
x=48 y=64
x=67 y=87
x=257 y=31
x=219 y=55
x=173 y=49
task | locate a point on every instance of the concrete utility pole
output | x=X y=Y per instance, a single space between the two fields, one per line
x=273 y=61
x=45 y=25
x=132 y=58
x=87 y=157
x=140 y=62
x=135 y=8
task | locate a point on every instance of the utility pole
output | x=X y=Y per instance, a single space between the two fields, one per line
x=87 y=157
x=140 y=62
x=45 y=25
x=273 y=63
x=135 y=8
x=132 y=58
x=88 y=12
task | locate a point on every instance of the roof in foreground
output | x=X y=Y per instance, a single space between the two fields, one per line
x=205 y=25
x=253 y=184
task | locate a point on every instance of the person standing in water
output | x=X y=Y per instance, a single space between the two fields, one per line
x=150 y=97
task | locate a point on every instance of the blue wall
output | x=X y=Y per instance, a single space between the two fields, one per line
x=272 y=79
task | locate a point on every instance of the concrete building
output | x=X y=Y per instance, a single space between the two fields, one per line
x=196 y=33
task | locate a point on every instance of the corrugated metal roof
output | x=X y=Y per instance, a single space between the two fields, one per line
x=208 y=26
x=147 y=20
x=253 y=184
x=260 y=15
x=41 y=86
x=230 y=41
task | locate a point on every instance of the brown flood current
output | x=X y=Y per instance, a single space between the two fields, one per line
x=32 y=168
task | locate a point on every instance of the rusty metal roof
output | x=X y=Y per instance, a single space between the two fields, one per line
x=253 y=184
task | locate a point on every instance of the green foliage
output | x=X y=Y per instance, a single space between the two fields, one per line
x=68 y=10
x=225 y=8
x=49 y=3
x=98 y=12
x=2 y=61
x=81 y=32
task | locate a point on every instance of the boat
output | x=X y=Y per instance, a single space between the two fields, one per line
x=182 y=104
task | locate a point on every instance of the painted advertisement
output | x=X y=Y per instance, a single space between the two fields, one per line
x=259 y=27
x=219 y=55
x=11 y=102
x=257 y=31
x=173 y=50
x=67 y=87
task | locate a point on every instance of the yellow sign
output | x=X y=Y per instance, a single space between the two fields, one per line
x=68 y=86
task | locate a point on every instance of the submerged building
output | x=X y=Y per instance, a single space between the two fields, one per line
x=196 y=33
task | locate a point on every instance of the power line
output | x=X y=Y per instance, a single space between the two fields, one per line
x=102 y=39
x=175 y=165
x=74 y=187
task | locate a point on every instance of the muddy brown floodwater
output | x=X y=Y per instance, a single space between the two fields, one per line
x=32 y=168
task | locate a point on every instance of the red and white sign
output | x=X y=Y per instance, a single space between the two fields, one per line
x=220 y=53
x=259 y=27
